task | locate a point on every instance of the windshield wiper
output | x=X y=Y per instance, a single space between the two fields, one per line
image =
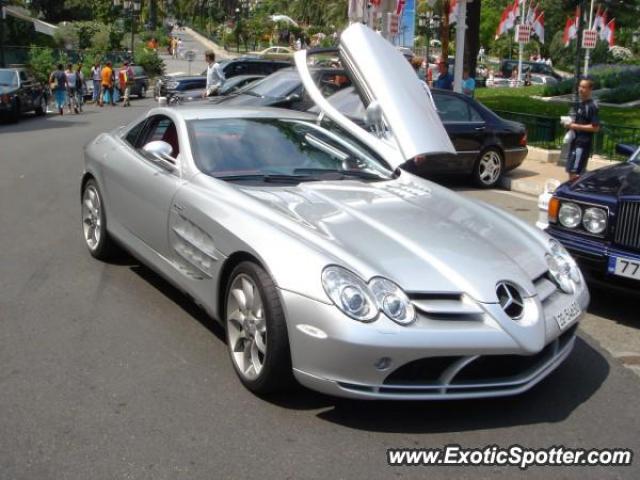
x=340 y=173
x=268 y=178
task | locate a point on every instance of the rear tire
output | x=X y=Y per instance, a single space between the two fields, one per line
x=94 y=223
x=488 y=168
x=257 y=336
x=41 y=109
x=143 y=92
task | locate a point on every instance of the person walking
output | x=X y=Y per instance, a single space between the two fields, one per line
x=81 y=85
x=96 y=78
x=126 y=80
x=58 y=84
x=72 y=90
x=586 y=123
x=106 y=84
x=215 y=74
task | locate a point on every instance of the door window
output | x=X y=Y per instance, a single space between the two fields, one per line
x=452 y=109
x=132 y=137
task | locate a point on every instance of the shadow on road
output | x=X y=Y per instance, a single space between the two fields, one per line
x=34 y=123
x=614 y=305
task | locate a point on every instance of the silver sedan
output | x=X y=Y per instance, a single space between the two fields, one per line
x=324 y=262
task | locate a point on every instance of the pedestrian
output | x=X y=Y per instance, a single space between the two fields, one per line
x=95 y=78
x=174 y=47
x=445 y=79
x=215 y=74
x=81 y=85
x=481 y=54
x=468 y=83
x=180 y=47
x=106 y=84
x=58 y=84
x=586 y=123
x=126 y=80
x=72 y=91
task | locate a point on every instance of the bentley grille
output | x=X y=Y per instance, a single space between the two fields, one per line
x=628 y=225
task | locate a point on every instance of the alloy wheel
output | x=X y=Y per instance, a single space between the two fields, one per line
x=490 y=167
x=91 y=217
x=246 y=327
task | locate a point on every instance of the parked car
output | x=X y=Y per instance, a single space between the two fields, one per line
x=486 y=145
x=284 y=89
x=141 y=82
x=193 y=88
x=324 y=263
x=538 y=79
x=231 y=68
x=20 y=92
x=507 y=67
x=597 y=218
x=275 y=53
x=236 y=84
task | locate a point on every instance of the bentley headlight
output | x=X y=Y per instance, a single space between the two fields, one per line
x=570 y=215
x=349 y=293
x=392 y=301
x=563 y=267
x=172 y=85
x=594 y=220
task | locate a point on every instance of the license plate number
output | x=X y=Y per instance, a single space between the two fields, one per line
x=625 y=267
x=565 y=317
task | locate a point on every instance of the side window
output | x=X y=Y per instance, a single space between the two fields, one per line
x=451 y=109
x=162 y=128
x=474 y=114
x=132 y=137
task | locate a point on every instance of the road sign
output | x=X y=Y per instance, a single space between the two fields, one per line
x=523 y=33
x=189 y=55
x=589 y=38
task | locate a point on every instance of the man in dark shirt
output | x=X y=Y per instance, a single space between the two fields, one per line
x=585 y=125
x=445 y=79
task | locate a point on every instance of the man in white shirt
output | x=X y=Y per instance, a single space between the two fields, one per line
x=215 y=75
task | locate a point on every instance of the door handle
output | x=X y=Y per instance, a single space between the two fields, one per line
x=479 y=129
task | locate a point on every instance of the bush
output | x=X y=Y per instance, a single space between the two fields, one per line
x=42 y=62
x=622 y=94
x=150 y=61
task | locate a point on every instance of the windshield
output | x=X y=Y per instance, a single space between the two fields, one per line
x=276 y=85
x=8 y=78
x=268 y=149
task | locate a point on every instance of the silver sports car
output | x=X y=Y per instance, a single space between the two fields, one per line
x=326 y=263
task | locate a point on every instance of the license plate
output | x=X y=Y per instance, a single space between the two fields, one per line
x=565 y=317
x=625 y=267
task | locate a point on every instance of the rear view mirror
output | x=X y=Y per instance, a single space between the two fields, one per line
x=161 y=152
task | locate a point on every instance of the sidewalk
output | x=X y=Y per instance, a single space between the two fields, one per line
x=531 y=177
x=199 y=44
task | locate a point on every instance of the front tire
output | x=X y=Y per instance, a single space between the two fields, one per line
x=143 y=92
x=488 y=168
x=256 y=330
x=94 y=223
x=41 y=109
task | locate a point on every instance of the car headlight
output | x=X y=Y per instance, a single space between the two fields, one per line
x=349 y=293
x=570 y=215
x=594 y=220
x=563 y=267
x=172 y=85
x=392 y=301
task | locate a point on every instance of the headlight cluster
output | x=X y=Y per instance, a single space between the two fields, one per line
x=592 y=219
x=172 y=85
x=362 y=301
x=563 y=267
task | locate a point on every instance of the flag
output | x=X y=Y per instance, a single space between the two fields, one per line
x=610 y=31
x=453 y=11
x=400 y=7
x=530 y=16
x=538 y=27
x=570 y=31
x=603 y=26
x=501 y=26
x=511 y=16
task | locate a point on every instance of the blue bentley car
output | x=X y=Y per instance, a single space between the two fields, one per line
x=597 y=218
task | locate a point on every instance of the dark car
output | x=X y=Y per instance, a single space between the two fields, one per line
x=20 y=92
x=231 y=68
x=486 y=144
x=284 y=89
x=141 y=82
x=597 y=218
x=507 y=67
x=189 y=89
x=234 y=84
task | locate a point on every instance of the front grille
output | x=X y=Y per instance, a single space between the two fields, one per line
x=628 y=225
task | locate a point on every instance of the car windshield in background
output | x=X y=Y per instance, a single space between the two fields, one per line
x=279 y=84
x=277 y=151
x=8 y=78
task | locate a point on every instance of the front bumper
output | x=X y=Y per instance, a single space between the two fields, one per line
x=431 y=359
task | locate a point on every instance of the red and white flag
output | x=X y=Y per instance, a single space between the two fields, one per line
x=511 y=16
x=570 y=31
x=538 y=27
x=610 y=32
x=400 y=7
x=453 y=11
x=530 y=16
x=602 y=25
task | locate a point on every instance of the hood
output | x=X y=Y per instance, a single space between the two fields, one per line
x=244 y=100
x=618 y=180
x=412 y=124
x=426 y=239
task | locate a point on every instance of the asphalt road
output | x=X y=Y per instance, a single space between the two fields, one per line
x=107 y=372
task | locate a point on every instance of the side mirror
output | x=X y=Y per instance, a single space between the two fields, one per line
x=161 y=152
x=374 y=119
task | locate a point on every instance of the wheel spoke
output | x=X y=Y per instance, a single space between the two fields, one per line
x=239 y=297
x=255 y=357
x=248 y=290
x=260 y=343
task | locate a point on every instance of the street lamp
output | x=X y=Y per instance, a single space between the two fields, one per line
x=238 y=29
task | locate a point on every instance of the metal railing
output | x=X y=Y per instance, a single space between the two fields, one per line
x=546 y=132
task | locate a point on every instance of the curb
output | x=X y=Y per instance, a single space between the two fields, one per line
x=528 y=187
